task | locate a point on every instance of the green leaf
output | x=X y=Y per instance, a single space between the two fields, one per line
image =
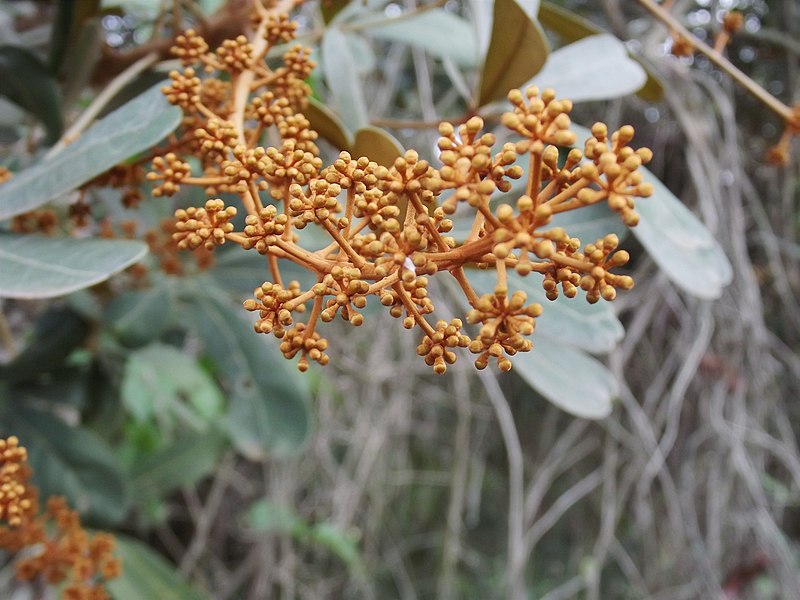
x=185 y=462
x=341 y=77
x=340 y=544
x=425 y=30
x=328 y=124
x=517 y=51
x=376 y=144
x=574 y=382
x=41 y=267
x=163 y=383
x=71 y=462
x=26 y=81
x=594 y=68
x=591 y=327
x=572 y=27
x=146 y=574
x=268 y=411
x=58 y=332
x=680 y=244
x=138 y=125
x=265 y=516
x=140 y=316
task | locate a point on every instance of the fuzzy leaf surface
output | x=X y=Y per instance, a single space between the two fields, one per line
x=42 y=267
x=341 y=77
x=136 y=126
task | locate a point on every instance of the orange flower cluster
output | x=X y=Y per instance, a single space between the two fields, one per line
x=56 y=547
x=389 y=225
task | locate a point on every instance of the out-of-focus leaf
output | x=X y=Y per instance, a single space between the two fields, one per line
x=185 y=462
x=573 y=321
x=330 y=8
x=517 y=51
x=69 y=20
x=680 y=244
x=339 y=543
x=264 y=516
x=677 y=240
x=341 y=77
x=71 y=462
x=138 y=125
x=145 y=574
x=594 y=68
x=427 y=30
x=376 y=144
x=327 y=123
x=590 y=223
x=572 y=27
x=268 y=410
x=58 y=332
x=26 y=81
x=41 y=267
x=162 y=383
x=591 y=388
x=140 y=316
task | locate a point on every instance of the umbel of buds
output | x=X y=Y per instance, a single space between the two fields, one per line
x=388 y=226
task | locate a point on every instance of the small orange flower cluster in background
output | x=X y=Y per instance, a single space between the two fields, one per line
x=388 y=225
x=53 y=545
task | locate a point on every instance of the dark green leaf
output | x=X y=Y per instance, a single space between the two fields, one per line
x=185 y=462
x=42 y=267
x=330 y=8
x=341 y=77
x=58 y=332
x=26 y=81
x=517 y=51
x=138 y=125
x=269 y=399
x=147 y=575
x=71 y=462
x=67 y=25
x=140 y=316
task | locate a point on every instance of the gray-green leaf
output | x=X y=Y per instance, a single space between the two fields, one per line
x=594 y=68
x=41 y=267
x=341 y=77
x=426 y=30
x=574 y=382
x=140 y=124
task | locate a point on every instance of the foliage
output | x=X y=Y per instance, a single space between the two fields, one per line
x=148 y=401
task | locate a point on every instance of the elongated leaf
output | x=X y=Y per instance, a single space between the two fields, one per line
x=341 y=77
x=327 y=123
x=331 y=8
x=185 y=462
x=677 y=240
x=138 y=317
x=26 y=81
x=517 y=51
x=138 y=125
x=425 y=30
x=164 y=384
x=376 y=144
x=680 y=244
x=71 y=462
x=42 y=267
x=572 y=27
x=594 y=68
x=146 y=574
x=574 y=382
x=591 y=327
x=268 y=411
